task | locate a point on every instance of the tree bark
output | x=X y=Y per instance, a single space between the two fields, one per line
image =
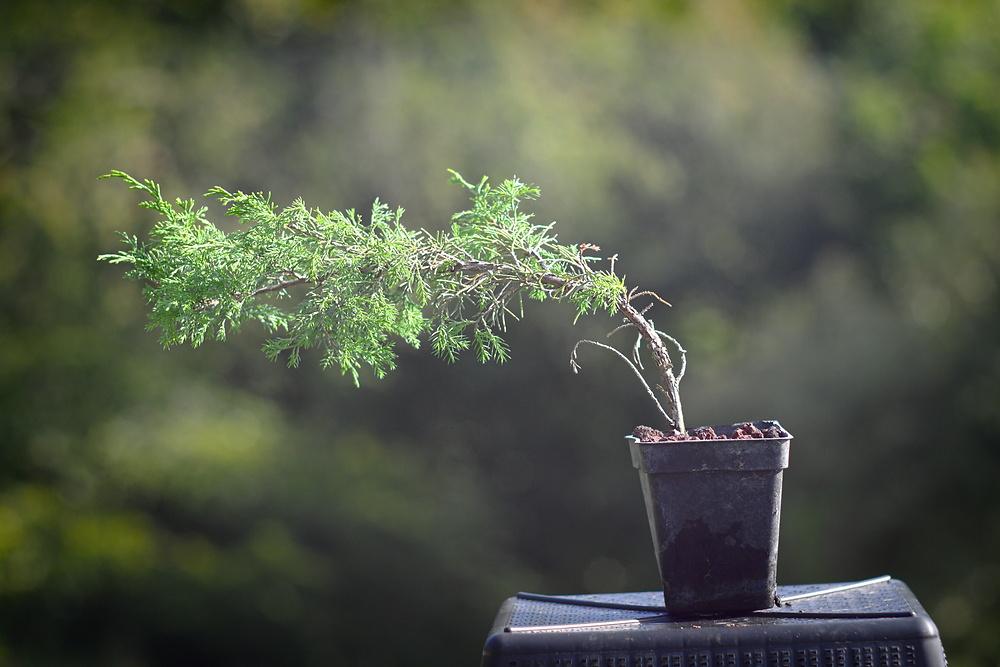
x=669 y=385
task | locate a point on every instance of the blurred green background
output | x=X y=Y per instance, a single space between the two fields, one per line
x=813 y=184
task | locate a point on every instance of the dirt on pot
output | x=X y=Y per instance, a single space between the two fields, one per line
x=745 y=431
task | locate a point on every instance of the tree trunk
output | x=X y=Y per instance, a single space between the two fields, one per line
x=661 y=358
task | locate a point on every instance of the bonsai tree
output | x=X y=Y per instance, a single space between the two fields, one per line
x=357 y=286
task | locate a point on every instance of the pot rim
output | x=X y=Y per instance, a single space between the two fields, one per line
x=727 y=454
x=766 y=423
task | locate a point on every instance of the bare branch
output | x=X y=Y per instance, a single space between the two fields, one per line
x=635 y=295
x=576 y=369
x=279 y=286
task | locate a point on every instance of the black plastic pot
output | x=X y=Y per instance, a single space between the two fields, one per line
x=714 y=509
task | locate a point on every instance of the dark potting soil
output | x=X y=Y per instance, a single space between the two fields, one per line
x=745 y=431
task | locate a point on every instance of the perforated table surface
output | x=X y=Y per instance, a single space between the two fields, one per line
x=872 y=623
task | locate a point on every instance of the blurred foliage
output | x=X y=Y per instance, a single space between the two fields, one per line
x=814 y=185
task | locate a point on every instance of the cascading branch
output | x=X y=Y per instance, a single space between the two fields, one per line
x=353 y=288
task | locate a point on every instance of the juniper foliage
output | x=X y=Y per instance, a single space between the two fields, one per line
x=354 y=287
x=366 y=282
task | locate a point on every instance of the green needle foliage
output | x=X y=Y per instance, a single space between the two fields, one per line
x=358 y=286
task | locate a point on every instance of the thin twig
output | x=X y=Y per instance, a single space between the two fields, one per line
x=624 y=325
x=279 y=286
x=635 y=295
x=635 y=352
x=576 y=369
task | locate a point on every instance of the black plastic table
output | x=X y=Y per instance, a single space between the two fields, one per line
x=872 y=623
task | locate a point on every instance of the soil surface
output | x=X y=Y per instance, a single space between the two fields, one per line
x=745 y=431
